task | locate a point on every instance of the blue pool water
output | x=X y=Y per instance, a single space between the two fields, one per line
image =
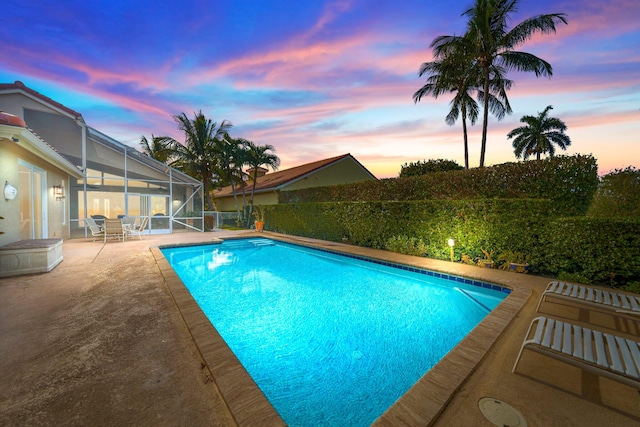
x=330 y=340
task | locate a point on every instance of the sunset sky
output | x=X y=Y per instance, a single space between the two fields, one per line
x=317 y=79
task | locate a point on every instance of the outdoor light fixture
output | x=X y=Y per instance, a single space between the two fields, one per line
x=10 y=191
x=58 y=191
x=451 y=245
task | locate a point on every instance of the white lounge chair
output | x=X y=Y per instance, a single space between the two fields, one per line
x=138 y=231
x=608 y=300
x=602 y=353
x=96 y=231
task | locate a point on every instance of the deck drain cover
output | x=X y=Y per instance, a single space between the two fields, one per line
x=501 y=414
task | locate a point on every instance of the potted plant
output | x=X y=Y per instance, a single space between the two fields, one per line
x=258 y=214
x=487 y=261
x=514 y=261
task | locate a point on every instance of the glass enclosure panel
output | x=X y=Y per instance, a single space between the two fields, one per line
x=159 y=205
x=138 y=167
x=105 y=204
x=105 y=159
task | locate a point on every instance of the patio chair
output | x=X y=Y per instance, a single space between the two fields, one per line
x=96 y=230
x=113 y=228
x=615 y=357
x=128 y=221
x=597 y=298
x=138 y=231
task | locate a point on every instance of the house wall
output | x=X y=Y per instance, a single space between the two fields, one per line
x=16 y=103
x=343 y=172
x=10 y=152
x=227 y=204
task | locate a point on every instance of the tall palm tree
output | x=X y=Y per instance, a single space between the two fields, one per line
x=453 y=74
x=197 y=157
x=539 y=135
x=258 y=156
x=158 y=148
x=493 y=45
x=455 y=71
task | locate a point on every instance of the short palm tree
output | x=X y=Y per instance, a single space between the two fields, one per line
x=258 y=156
x=539 y=135
x=233 y=156
x=198 y=156
x=493 y=45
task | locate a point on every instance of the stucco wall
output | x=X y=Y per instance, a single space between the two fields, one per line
x=15 y=103
x=10 y=152
x=227 y=204
x=343 y=172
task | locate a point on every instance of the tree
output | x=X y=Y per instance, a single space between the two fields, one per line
x=158 y=148
x=198 y=156
x=456 y=71
x=258 y=156
x=428 y=166
x=539 y=135
x=492 y=46
x=453 y=74
x=233 y=156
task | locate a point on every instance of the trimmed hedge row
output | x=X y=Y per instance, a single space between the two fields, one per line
x=474 y=224
x=588 y=250
x=568 y=181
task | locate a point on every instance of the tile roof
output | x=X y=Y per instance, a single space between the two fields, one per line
x=275 y=180
x=11 y=120
x=19 y=86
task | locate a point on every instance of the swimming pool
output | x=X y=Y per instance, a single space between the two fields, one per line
x=373 y=337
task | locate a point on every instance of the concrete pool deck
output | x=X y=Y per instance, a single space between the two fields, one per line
x=101 y=341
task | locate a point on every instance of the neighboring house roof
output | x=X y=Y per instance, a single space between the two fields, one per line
x=18 y=86
x=277 y=180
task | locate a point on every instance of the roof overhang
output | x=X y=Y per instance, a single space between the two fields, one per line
x=32 y=143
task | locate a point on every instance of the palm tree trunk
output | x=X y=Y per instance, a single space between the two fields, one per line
x=253 y=190
x=235 y=198
x=466 y=139
x=485 y=117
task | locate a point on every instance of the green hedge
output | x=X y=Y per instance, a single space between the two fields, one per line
x=591 y=250
x=588 y=250
x=618 y=195
x=568 y=181
x=475 y=224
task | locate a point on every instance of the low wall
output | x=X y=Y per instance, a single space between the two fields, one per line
x=30 y=256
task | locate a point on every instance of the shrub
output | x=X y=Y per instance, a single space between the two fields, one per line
x=600 y=251
x=618 y=195
x=428 y=166
x=569 y=181
x=406 y=245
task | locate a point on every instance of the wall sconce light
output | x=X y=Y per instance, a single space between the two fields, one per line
x=452 y=243
x=58 y=191
x=10 y=191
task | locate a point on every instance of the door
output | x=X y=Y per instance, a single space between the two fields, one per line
x=32 y=195
x=156 y=208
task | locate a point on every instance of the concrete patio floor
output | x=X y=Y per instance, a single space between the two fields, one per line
x=100 y=341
